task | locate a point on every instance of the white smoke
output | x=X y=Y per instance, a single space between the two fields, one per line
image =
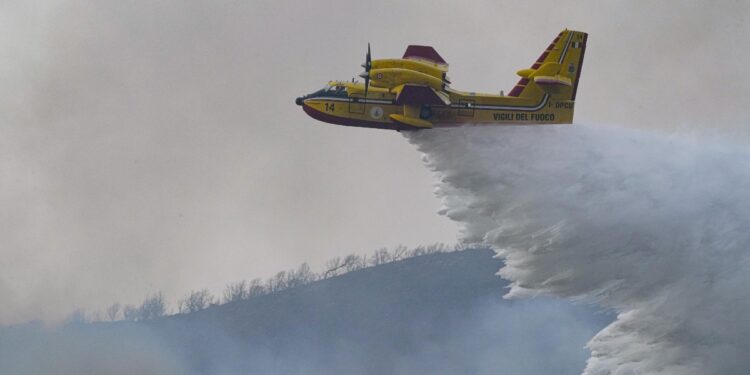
x=654 y=227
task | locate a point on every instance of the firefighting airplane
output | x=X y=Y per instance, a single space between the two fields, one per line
x=413 y=92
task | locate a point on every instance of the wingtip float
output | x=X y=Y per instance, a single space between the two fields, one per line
x=414 y=92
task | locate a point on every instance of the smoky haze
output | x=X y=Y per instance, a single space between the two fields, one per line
x=150 y=147
x=433 y=313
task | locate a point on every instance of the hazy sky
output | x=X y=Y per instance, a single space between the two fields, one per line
x=150 y=147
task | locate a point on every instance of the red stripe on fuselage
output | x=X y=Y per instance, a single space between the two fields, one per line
x=516 y=91
x=331 y=119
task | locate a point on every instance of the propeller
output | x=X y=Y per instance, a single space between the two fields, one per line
x=366 y=74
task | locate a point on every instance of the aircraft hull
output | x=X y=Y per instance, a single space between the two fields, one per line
x=376 y=115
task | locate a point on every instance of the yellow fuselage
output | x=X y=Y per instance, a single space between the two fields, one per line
x=413 y=93
x=465 y=108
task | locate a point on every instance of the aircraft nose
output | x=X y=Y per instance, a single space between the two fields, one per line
x=298 y=101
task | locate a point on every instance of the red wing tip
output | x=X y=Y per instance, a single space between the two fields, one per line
x=424 y=53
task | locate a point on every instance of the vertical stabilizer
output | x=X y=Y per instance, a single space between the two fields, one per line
x=557 y=70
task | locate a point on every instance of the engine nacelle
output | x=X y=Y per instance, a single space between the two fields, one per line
x=392 y=77
x=431 y=69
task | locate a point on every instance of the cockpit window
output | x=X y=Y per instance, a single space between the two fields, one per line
x=335 y=88
x=330 y=90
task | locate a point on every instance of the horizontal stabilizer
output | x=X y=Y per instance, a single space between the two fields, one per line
x=553 y=80
x=548 y=69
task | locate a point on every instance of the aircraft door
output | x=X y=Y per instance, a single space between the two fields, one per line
x=466 y=108
x=356 y=104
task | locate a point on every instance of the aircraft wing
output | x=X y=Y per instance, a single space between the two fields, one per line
x=414 y=98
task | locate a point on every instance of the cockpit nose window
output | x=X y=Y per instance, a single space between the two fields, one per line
x=331 y=90
x=335 y=88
